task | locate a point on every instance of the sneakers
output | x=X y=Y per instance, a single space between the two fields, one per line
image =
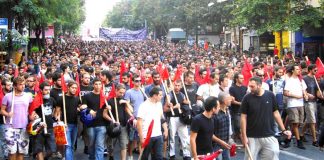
x=56 y=155
x=302 y=138
x=315 y=144
x=106 y=152
x=85 y=150
x=300 y=144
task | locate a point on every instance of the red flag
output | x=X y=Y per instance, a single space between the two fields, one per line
x=198 y=78
x=112 y=93
x=213 y=156
x=149 y=80
x=37 y=101
x=102 y=99
x=77 y=80
x=122 y=71
x=16 y=73
x=206 y=45
x=165 y=74
x=178 y=73
x=207 y=77
x=131 y=85
x=148 y=135
x=159 y=68
x=64 y=87
x=38 y=82
x=246 y=72
x=307 y=61
x=320 y=67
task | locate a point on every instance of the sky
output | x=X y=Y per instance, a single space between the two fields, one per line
x=96 y=11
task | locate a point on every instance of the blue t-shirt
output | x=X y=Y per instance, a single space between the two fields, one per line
x=136 y=98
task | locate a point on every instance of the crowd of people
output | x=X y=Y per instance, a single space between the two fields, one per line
x=200 y=100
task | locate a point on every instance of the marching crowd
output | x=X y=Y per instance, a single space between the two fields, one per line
x=141 y=96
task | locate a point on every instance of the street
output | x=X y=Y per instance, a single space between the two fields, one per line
x=311 y=153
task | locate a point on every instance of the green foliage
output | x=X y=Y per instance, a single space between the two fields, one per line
x=164 y=14
x=275 y=15
x=34 y=49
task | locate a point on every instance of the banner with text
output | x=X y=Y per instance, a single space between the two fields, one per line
x=122 y=34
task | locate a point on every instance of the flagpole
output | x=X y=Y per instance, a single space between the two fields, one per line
x=185 y=90
x=174 y=95
x=12 y=105
x=64 y=107
x=109 y=111
x=44 y=120
x=319 y=89
x=115 y=100
x=248 y=151
x=143 y=93
x=167 y=98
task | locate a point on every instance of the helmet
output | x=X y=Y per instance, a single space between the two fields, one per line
x=34 y=127
x=114 y=130
x=86 y=117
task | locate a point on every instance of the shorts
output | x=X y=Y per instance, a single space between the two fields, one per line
x=133 y=134
x=122 y=138
x=17 y=140
x=295 y=114
x=310 y=111
x=41 y=140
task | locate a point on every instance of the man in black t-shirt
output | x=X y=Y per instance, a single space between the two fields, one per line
x=97 y=130
x=43 y=139
x=72 y=104
x=310 y=104
x=259 y=109
x=202 y=129
x=192 y=88
x=85 y=88
x=124 y=111
x=56 y=91
x=237 y=90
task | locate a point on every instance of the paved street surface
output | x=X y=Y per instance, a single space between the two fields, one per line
x=292 y=153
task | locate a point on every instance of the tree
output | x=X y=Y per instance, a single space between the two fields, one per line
x=275 y=15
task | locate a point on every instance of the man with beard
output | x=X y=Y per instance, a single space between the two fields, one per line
x=135 y=97
x=191 y=88
x=6 y=88
x=237 y=90
x=85 y=88
x=72 y=104
x=259 y=111
x=156 y=83
x=44 y=140
x=16 y=137
x=30 y=86
x=56 y=91
x=107 y=80
x=124 y=112
x=125 y=80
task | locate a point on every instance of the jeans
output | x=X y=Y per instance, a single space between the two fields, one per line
x=156 y=144
x=2 y=141
x=71 y=135
x=225 y=154
x=178 y=127
x=96 y=142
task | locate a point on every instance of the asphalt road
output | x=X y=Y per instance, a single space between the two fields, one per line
x=291 y=153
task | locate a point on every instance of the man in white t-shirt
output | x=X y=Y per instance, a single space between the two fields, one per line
x=150 y=110
x=295 y=90
x=209 y=89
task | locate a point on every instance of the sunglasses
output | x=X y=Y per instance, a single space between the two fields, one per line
x=137 y=80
